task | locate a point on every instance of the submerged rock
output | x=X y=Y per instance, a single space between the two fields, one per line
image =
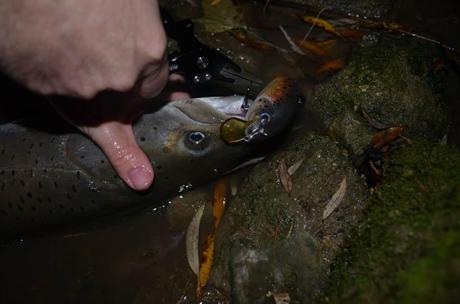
x=274 y=241
x=407 y=248
x=394 y=82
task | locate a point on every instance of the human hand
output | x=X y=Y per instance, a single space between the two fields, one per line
x=107 y=120
x=80 y=48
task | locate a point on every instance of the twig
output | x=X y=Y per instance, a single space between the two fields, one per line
x=314 y=22
x=294 y=46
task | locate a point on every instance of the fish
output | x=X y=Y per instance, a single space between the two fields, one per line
x=52 y=177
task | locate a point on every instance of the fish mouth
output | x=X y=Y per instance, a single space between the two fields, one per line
x=212 y=110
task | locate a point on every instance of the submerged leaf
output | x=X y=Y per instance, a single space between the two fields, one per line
x=327 y=44
x=312 y=47
x=192 y=239
x=330 y=66
x=220 y=193
x=351 y=34
x=243 y=37
x=292 y=169
x=336 y=199
x=218 y=204
x=325 y=25
x=294 y=46
x=284 y=176
x=372 y=122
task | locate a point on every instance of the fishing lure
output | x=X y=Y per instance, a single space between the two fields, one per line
x=266 y=116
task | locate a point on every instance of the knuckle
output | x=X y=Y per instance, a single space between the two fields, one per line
x=123 y=81
x=156 y=47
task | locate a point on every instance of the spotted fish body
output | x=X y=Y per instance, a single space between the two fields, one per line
x=48 y=179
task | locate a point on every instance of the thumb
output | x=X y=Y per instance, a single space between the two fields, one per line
x=117 y=141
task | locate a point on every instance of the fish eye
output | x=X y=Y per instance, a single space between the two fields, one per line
x=196 y=137
x=196 y=140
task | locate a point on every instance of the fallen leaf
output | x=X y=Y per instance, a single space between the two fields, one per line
x=351 y=34
x=385 y=137
x=372 y=122
x=312 y=47
x=234 y=184
x=330 y=66
x=192 y=239
x=327 y=44
x=294 y=46
x=321 y=23
x=284 y=176
x=215 y=2
x=393 y=26
x=218 y=206
x=251 y=42
x=292 y=169
x=336 y=199
x=281 y=298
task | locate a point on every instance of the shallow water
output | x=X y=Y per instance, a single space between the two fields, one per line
x=140 y=257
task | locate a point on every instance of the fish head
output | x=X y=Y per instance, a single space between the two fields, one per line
x=185 y=138
x=182 y=140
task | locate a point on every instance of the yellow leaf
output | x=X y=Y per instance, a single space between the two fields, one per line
x=284 y=176
x=330 y=66
x=351 y=34
x=191 y=240
x=220 y=194
x=322 y=24
x=336 y=199
x=327 y=44
x=243 y=37
x=312 y=47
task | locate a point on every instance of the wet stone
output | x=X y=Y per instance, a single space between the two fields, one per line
x=272 y=241
x=395 y=83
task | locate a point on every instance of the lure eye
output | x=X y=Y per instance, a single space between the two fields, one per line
x=196 y=140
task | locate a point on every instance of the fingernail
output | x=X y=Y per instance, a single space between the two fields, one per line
x=140 y=178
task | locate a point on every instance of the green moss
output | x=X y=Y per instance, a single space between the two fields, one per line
x=394 y=83
x=407 y=249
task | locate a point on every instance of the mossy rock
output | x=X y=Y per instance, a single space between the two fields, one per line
x=274 y=241
x=394 y=83
x=408 y=248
